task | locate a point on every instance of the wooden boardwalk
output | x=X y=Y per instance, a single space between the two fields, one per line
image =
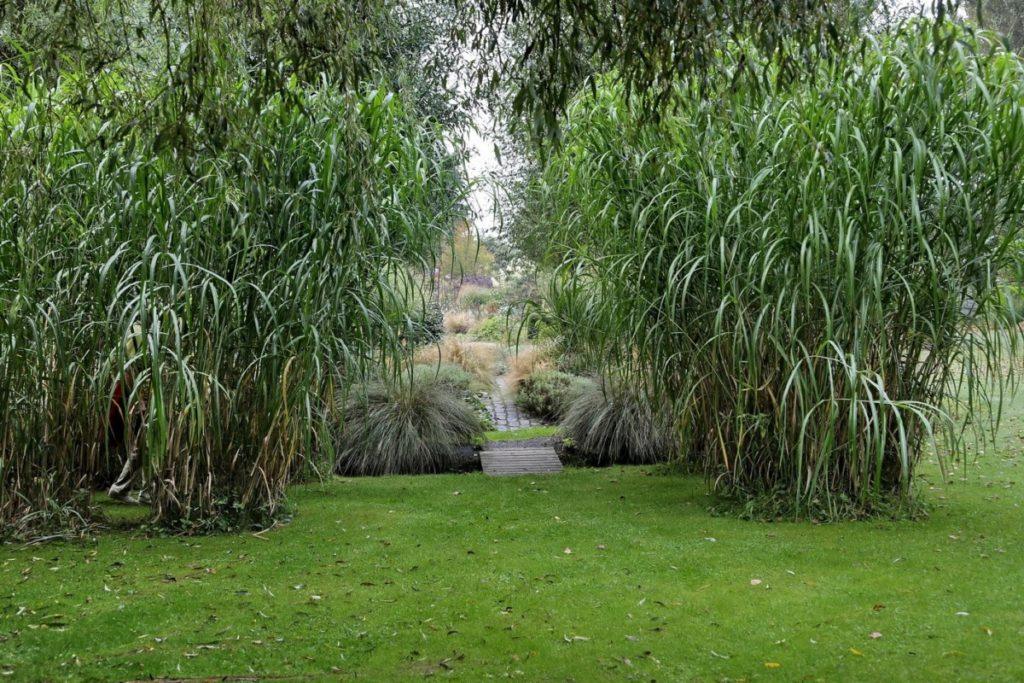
x=520 y=460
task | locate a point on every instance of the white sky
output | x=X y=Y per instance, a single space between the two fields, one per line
x=481 y=167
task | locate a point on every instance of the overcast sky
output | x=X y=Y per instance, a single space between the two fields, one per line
x=481 y=167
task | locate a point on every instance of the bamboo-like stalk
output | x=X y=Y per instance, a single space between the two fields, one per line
x=791 y=267
x=262 y=275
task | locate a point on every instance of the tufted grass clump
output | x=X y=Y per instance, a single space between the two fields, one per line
x=466 y=386
x=614 y=423
x=403 y=427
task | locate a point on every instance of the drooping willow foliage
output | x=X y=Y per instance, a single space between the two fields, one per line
x=265 y=276
x=811 y=275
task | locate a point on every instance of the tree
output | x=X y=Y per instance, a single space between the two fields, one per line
x=544 y=51
x=1006 y=17
x=463 y=260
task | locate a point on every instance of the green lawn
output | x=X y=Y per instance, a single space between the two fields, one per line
x=524 y=434
x=588 y=575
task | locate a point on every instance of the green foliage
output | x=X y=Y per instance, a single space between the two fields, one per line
x=474 y=298
x=789 y=267
x=176 y=58
x=256 y=274
x=547 y=394
x=522 y=434
x=447 y=374
x=502 y=329
x=614 y=423
x=493 y=329
x=554 y=48
x=1011 y=302
x=1003 y=16
x=427 y=325
x=461 y=382
x=402 y=427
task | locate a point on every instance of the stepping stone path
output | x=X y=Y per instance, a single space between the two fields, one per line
x=503 y=409
x=511 y=458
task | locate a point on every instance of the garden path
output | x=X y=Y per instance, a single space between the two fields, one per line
x=511 y=458
x=503 y=408
x=514 y=459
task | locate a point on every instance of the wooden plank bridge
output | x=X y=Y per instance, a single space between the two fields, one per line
x=512 y=460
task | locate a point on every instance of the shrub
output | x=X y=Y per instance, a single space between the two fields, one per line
x=447 y=374
x=427 y=325
x=402 y=428
x=616 y=424
x=499 y=328
x=474 y=298
x=797 y=259
x=526 y=361
x=547 y=394
x=476 y=359
x=457 y=323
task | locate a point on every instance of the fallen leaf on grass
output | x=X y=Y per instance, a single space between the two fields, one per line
x=986 y=630
x=772 y=665
x=567 y=551
x=855 y=652
x=755 y=582
x=878 y=607
x=963 y=614
x=875 y=635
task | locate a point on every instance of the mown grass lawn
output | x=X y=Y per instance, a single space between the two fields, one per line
x=589 y=575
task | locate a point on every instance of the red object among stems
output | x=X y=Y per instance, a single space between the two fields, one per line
x=118 y=411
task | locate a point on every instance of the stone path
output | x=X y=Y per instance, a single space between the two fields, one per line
x=536 y=456
x=503 y=409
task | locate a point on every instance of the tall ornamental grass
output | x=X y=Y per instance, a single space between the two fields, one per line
x=404 y=427
x=811 y=273
x=266 y=276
